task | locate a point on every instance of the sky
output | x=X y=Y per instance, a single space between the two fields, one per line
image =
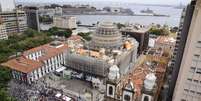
x=168 y=2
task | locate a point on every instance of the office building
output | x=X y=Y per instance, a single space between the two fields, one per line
x=182 y=35
x=7 y=5
x=188 y=83
x=33 y=18
x=37 y=62
x=140 y=33
x=65 y=22
x=15 y=21
x=3 y=34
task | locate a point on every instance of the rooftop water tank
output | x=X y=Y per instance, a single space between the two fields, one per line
x=149 y=81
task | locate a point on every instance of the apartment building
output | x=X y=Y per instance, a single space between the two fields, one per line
x=37 y=62
x=140 y=33
x=182 y=35
x=188 y=84
x=3 y=34
x=65 y=22
x=15 y=21
x=7 y=5
x=165 y=43
x=33 y=18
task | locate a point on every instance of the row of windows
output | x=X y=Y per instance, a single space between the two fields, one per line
x=192 y=92
x=195 y=70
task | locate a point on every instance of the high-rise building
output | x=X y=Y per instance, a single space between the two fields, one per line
x=33 y=18
x=140 y=33
x=182 y=35
x=188 y=69
x=15 y=21
x=7 y=5
x=3 y=34
x=65 y=22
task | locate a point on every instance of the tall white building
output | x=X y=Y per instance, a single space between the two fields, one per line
x=188 y=85
x=7 y=5
x=3 y=34
x=65 y=22
x=15 y=21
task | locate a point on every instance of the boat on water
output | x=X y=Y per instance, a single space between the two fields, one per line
x=149 y=11
x=161 y=15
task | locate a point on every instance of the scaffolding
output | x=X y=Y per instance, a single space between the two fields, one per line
x=86 y=64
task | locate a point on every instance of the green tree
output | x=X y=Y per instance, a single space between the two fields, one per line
x=30 y=32
x=4 y=76
x=119 y=25
x=85 y=36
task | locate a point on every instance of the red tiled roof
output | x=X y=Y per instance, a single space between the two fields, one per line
x=165 y=40
x=26 y=65
x=75 y=37
x=23 y=64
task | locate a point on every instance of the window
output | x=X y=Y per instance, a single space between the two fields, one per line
x=196 y=81
x=198 y=71
x=110 y=90
x=189 y=79
x=192 y=70
x=196 y=56
x=186 y=90
x=192 y=91
x=146 y=98
x=127 y=98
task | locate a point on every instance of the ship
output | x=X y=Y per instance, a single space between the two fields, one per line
x=147 y=11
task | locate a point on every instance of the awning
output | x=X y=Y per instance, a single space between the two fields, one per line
x=61 y=69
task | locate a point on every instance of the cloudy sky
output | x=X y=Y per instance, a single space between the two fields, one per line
x=132 y=1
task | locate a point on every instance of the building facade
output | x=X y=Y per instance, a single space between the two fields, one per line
x=106 y=36
x=15 y=21
x=37 y=62
x=65 y=22
x=165 y=43
x=188 y=82
x=33 y=18
x=7 y=5
x=182 y=35
x=140 y=33
x=3 y=34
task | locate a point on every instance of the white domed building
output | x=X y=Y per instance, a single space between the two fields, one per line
x=106 y=36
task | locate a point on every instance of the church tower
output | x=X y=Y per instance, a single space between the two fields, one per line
x=148 y=89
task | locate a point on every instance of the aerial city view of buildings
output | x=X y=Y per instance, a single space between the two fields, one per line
x=69 y=51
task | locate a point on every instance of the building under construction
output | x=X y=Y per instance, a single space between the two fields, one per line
x=107 y=48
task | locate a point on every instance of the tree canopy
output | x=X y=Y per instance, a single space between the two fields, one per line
x=17 y=43
x=60 y=32
x=85 y=36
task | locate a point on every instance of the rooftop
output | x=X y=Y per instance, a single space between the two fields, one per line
x=165 y=40
x=149 y=64
x=23 y=64
x=136 y=28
